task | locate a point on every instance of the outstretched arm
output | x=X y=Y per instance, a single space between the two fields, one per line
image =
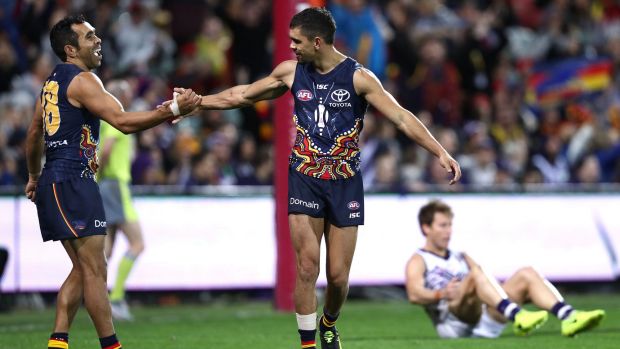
x=87 y=91
x=270 y=87
x=34 y=150
x=367 y=85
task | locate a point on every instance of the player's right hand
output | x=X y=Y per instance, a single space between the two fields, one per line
x=187 y=100
x=452 y=166
x=451 y=290
x=31 y=189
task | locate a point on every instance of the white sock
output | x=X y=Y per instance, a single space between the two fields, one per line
x=306 y=322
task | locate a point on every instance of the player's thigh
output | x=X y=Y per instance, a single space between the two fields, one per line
x=306 y=234
x=90 y=253
x=467 y=306
x=340 y=243
x=110 y=239
x=516 y=286
x=71 y=253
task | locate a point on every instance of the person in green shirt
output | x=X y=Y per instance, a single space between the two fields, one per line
x=116 y=151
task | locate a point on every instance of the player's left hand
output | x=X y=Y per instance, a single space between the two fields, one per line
x=451 y=165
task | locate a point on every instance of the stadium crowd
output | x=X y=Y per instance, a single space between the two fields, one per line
x=522 y=92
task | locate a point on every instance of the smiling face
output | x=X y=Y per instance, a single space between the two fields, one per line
x=305 y=49
x=89 y=46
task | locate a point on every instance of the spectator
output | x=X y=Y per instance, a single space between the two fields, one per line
x=435 y=84
x=359 y=33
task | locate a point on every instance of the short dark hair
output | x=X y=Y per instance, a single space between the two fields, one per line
x=427 y=212
x=315 y=21
x=62 y=34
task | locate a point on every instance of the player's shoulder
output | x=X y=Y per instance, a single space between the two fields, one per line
x=364 y=73
x=285 y=67
x=417 y=259
x=85 y=85
x=85 y=82
x=87 y=77
x=365 y=80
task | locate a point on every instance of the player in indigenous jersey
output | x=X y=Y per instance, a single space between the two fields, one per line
x=463 y=301
x=69 y=207
x=331 y=93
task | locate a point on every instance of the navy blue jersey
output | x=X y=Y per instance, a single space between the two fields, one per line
x=329 y=118
x=71 y=134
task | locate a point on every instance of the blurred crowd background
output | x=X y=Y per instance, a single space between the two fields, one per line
x=524 y=93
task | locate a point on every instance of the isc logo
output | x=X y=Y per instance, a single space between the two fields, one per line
x=304 y=95
x=322 y=86
x=354 y=215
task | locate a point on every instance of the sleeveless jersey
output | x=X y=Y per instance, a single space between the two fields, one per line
x=71 y=133
x=439 y=272
x=329 y=117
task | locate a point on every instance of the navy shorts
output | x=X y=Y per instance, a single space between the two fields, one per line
x=339 y=201
x=70 y=210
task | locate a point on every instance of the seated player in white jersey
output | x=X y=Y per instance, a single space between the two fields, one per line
x=463 y=301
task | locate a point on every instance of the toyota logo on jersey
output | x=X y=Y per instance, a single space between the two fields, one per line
x=341 y=95
x=304 y=95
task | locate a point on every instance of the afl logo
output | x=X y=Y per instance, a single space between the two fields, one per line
x=353 y=205
x=304 y=95
x=341 y=95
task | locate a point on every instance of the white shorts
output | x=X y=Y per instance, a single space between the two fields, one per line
x=449 y=326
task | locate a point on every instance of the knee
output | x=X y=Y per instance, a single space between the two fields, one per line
x=527 y=273
x=307 y=269
x=137 y=248
x=338 y=276
x=477 y=274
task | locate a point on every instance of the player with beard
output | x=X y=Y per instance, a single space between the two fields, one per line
x=69 y=206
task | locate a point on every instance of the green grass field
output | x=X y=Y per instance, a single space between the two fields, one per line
x=363 y=325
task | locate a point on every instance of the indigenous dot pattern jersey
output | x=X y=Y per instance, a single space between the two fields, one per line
x=439 y=271
x=328 y=117
x=71 y=134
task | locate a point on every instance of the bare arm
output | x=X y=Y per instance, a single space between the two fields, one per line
x=367 y=85
x=34 y=150
x=86 y=90
x=417 y=293
x=270 y=87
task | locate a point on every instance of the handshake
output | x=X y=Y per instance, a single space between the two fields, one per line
x=184 y=103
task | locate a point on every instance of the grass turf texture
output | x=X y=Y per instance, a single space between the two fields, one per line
x=363 y=325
